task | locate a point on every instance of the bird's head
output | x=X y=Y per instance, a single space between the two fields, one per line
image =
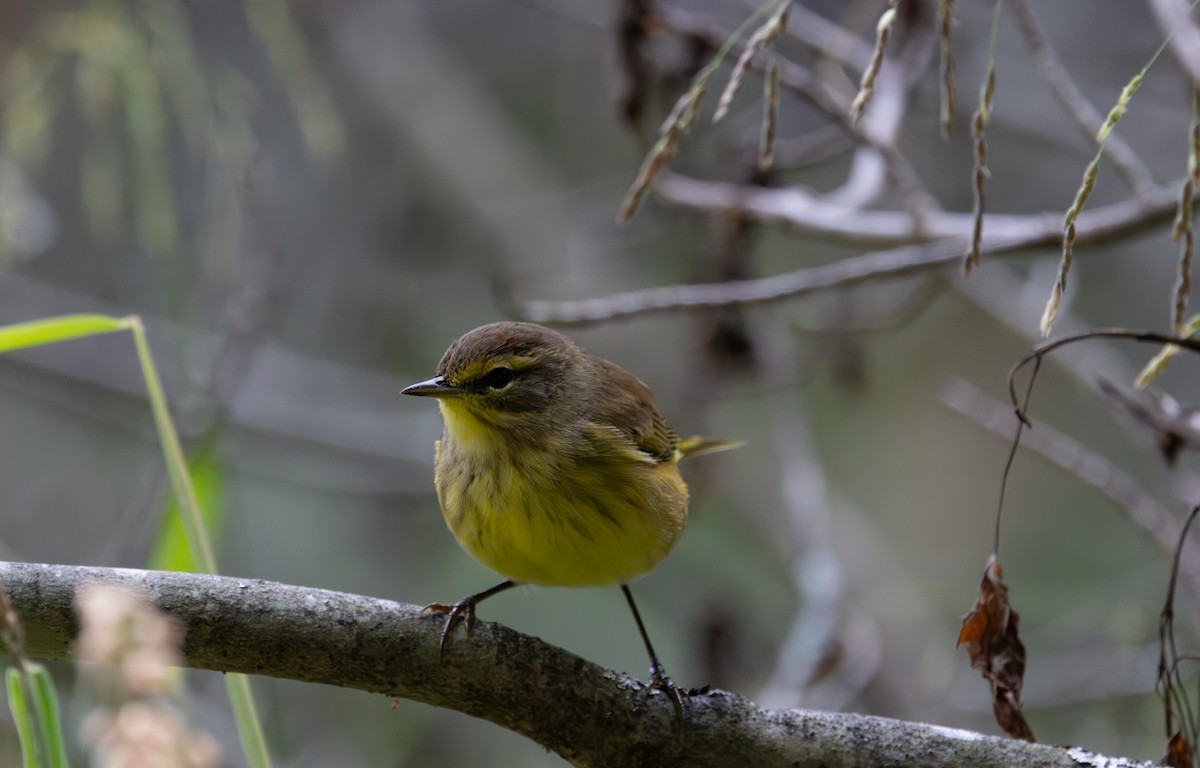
x=505 y=376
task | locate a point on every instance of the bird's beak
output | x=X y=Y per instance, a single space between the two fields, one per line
x=435 y=387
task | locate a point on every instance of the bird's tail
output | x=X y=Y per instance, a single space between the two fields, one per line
x=697 y=445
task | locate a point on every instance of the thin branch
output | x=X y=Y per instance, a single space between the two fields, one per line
x=589 y=715
x=805 y=532
x=793 y=207
x=813 y=147
x=813 y=215
x=1142 y=509
x=873 y=136
x=829 y=39
x=1081 y=111
x=818 y=92
x=1174 y=19
x=1014 y=302
x=1040 y=350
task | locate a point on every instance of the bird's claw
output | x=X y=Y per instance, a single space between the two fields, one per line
x=463 y=610
x=661 y=682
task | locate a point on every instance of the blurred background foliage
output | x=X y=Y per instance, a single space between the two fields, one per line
x=307 y=201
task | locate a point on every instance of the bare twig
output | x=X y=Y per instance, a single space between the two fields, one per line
x=817 y=571
x=876 y=132
x=878 y=159
x=1175 y=20
x=1005 y=234
x=1085 y=116
x=1170 y=686
x=1039 y=351
x=828 y=39
x=818 y=92
x=1142 y=509
x=683 y=115
x=815 y=216
x=812 y=147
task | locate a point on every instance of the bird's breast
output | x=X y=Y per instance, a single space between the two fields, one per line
x=566 y=513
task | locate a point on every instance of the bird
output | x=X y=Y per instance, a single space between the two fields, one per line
x=555 y=468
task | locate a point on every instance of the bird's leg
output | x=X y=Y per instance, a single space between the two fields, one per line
x=464 y=609
x=658 y=675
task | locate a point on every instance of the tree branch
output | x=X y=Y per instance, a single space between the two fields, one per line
x=812 y=215
x=947 y=234
x=589 y=715
x=1174 y=19
x=1062 y=450
x=1085 y=116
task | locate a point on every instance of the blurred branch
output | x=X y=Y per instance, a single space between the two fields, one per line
x=1015 y=302
x=589 y=715
x=1174 y=19
x=1076 y=105
x=268 y=429
x=829 y=39
x=817 y=91
x=875 y=135
x=880 y=124
x=948 y=233
x=1142 y=509
x=812 y=147
x=814 y=215
x=805 y=535
x=464 y=137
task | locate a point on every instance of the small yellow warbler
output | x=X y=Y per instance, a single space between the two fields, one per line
x=555 y=467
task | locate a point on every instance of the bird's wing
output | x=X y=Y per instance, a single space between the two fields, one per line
x=625 y=402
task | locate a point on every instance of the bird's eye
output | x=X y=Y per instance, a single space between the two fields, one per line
x=498 y=378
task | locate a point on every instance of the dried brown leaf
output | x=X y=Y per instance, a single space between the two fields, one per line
x=1179 y=752
x=989 y=630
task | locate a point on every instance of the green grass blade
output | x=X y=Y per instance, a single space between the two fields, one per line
x=45 y=702
x=171 y=551
x=38 y=333
x=254 y=743
x=19 y=706
x=177 y=470
x=49 y=331
x=241 y=698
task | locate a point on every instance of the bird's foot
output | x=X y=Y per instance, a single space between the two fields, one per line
x=463 y=610
x=660 y=681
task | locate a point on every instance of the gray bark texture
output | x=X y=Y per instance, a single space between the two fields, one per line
x=589 y=715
